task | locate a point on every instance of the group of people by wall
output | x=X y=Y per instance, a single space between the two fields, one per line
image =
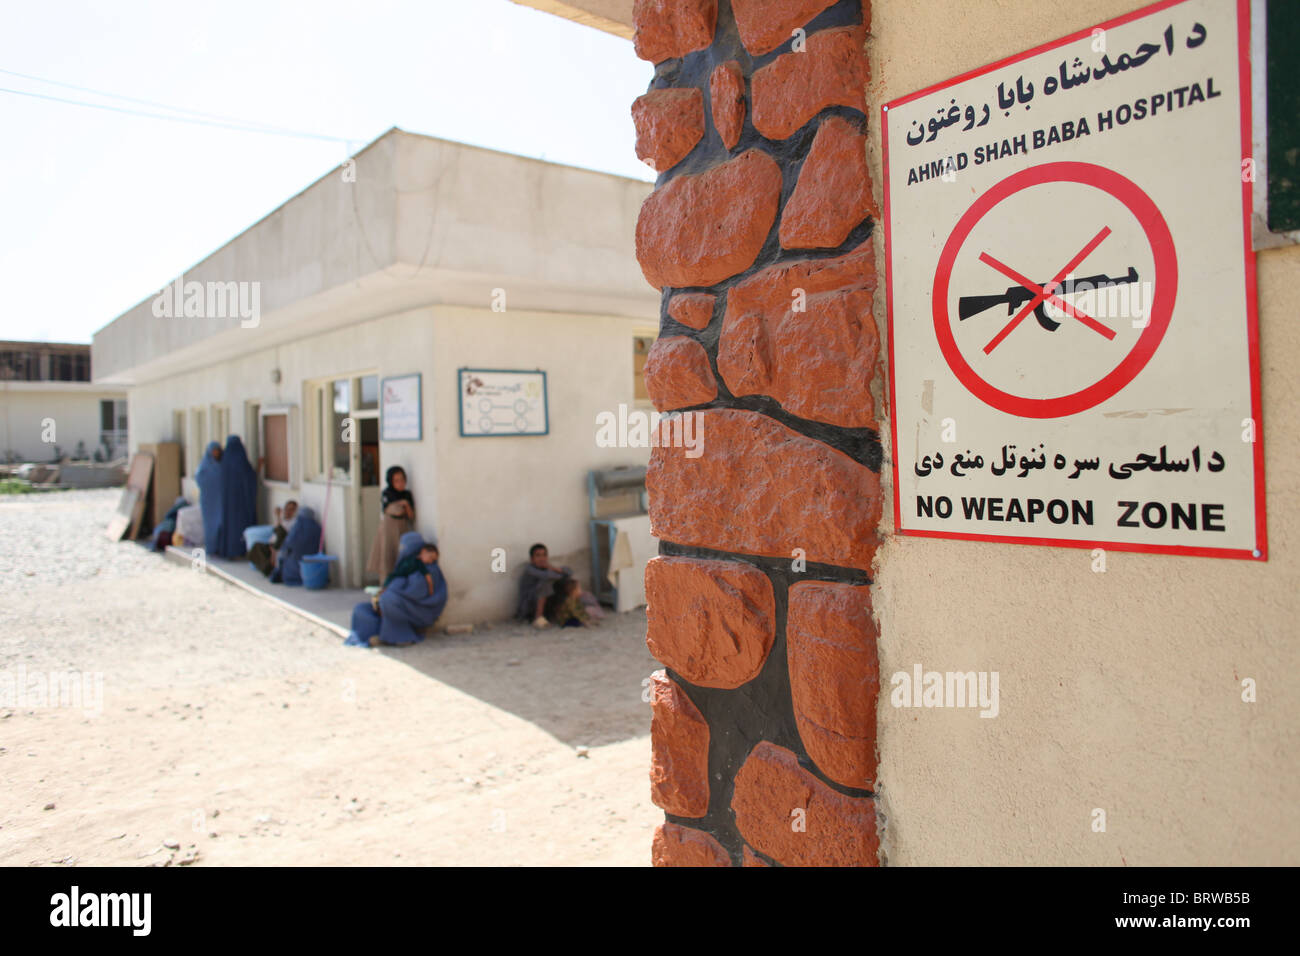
x=227 y=484
x=413 y=593
x=551 y=595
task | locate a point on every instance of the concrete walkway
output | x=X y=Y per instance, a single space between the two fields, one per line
x=329 y=608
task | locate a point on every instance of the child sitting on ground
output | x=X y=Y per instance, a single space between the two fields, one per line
x=564 y=608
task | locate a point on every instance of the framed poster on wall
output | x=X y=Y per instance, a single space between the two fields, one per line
x=502 y=402
x=400 y=410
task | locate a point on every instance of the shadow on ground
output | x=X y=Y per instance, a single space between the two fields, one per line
x=582 y=686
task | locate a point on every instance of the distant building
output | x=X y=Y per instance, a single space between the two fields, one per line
x=411 y=301
x=50 y=409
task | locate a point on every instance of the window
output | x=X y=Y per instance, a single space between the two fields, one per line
x=275 y=442
x=112 y=427
x=338 y=410
x=221 y=424
x=178 y=436
x=369 y=393
x=198 y=437
x=340 y=429
x=1275 y=30
x=253 y=431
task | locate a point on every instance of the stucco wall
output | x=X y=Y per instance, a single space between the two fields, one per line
x=1119 y=690
x=508 y=492
x=472 y=494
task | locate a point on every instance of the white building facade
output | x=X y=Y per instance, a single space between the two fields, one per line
x=50 y=409
x=418 y=259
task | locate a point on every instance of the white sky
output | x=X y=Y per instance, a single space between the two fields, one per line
x=99 y=210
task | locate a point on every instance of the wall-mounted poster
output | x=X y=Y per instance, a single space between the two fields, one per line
x=502 y=402
x=400 y=417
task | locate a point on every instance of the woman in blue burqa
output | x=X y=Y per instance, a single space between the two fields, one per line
x=208 y=478
x=303 y=539
x=238 y=500
x=411 y=600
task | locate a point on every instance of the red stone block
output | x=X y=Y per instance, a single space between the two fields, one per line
x=668 y=125
x=665 y=29
x=835 y=678
x=692 y=309
x=727 y=94
x=765 y=24
x=817 y=363
x=702 y=228
x=834 y=190
x=831 y=830
x=679 y=751
x=795 y=87
x=678 y=374
x=762 y=488
x=681 y=846
x=711 y=621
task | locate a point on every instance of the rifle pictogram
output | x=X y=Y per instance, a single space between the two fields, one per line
x=1018 y=295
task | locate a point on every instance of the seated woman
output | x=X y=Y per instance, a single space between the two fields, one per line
x=166 y=529
x=302 y=539
x=263 y=555
x=397 y=518
x=564 y=608
x=412 y=598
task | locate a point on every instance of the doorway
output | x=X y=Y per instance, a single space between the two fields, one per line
x=368 y=467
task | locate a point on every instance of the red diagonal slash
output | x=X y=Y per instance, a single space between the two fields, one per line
x=1041 y=293
x=1056 y=300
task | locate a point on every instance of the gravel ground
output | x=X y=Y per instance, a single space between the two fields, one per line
x=232 y=732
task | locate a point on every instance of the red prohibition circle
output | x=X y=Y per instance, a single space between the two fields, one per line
x=1162 y=308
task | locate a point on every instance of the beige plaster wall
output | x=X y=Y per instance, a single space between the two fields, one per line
x=1118 y=690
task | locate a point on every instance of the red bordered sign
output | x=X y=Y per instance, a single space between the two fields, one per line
x=1059 y=172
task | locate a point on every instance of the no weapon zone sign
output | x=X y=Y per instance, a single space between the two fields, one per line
x=1109 y=364
x=1071 y=293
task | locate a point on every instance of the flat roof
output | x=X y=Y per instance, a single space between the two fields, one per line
x=414 y=220
x=14 y=344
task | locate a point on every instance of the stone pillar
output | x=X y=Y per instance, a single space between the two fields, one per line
x=759 y=233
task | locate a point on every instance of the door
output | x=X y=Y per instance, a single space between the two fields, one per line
x=368 y=467
x=370 y=486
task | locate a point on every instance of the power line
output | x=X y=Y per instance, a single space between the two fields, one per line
x=136 y=100
x=196 y=117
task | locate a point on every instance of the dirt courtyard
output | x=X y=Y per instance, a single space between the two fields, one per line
x=231 y=732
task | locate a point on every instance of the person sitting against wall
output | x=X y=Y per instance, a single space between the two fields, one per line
x=238 y=501
x=397 y=519
x=303 y=539
x=166 y=529
x=537 y=583
x=411 y=600
x=262 y=555
x=564 y=608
